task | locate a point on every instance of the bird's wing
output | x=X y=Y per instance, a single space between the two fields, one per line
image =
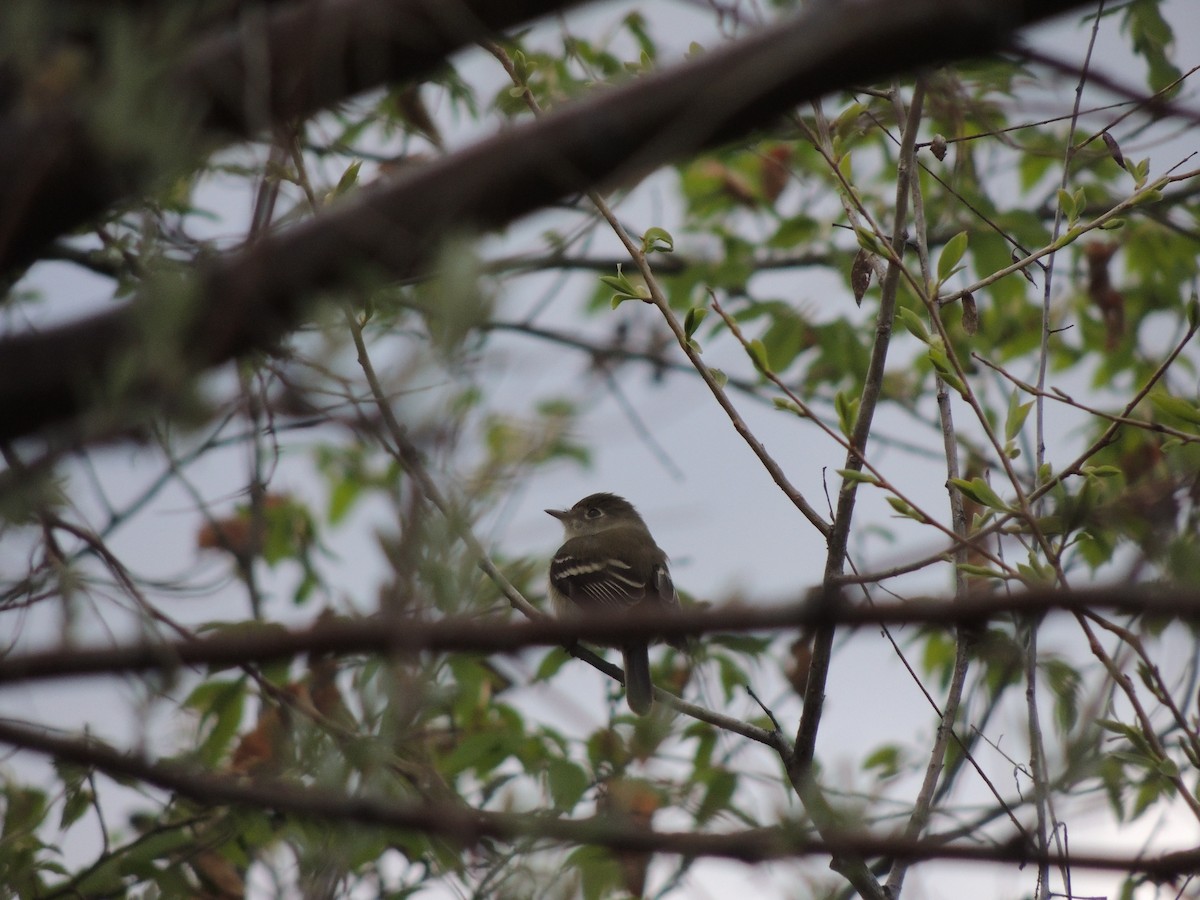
x=664 y=587
x=597 y=582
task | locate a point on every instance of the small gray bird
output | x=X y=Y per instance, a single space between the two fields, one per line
x=610 y=563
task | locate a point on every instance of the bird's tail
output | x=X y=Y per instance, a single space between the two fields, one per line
x=639 y=690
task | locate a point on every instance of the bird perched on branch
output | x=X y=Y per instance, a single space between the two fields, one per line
x=609 y=564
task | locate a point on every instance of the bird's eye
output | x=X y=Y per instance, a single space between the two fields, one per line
x=593 y=512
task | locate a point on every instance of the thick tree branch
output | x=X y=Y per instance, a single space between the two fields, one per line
x=56 y=173
x=249 y=301
x=466 y=826
x=374 y=635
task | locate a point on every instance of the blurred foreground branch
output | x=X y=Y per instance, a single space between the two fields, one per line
x=249 y=300
x=375 y=635
x=466 y=826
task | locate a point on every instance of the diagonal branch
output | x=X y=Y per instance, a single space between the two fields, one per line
x=57 y=171
x=839 y=536
x=250 y=300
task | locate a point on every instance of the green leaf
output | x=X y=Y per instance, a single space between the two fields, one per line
x=906 y=510
x=1168 y=768
x=1067 y=204
x=788 y=405
x=24 y=811
x=731 y=674
x=567 y=783
x=607 y=747
x=692 y=320
x=869 y=242
x=77 y=794
x=349 y=178
x=1132 y=734
x=941 y=364
x=792 y=232
x=1148 y=793
x=342 y=498
x=1032 y=167
x=718 y=376
x=623 y=288
x=618 y=282
x=599 y=873
x=721 y=784
x=1177 y=407
x=1065 y=682
x=657 y=240
x=554 y=660
x=886 y=760
x=222 y=704
x=1153 y=39
x=145 y=856
x=1101 y=471
x=952 y=255
x=788 y=335
x=1140 y=171
x=981 y=492
x=635 y=22
x=101 y=880
x=938 y=658
x=706 y=742
x=75 y=804
x=914 y=324
x=1017 y=414
x=858 y=477
x=758 y=355
x=847 y=411
x=480 y=752
x=522 y=66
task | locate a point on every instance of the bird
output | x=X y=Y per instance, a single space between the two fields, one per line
x=610 y=564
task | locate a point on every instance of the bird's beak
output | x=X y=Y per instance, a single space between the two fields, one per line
x=560 y=514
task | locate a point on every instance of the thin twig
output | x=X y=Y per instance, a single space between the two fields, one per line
x=659 y=299
x=948 y=714
x=406 y=453
x=1072 y=468
x=1037 y=747
x=839 y=535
